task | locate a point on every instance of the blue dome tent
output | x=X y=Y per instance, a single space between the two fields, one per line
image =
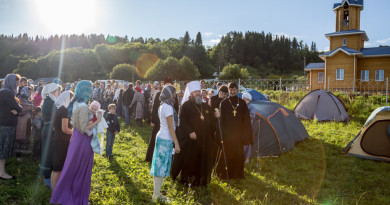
x=256 y=95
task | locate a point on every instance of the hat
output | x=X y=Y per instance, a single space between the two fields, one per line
x=247 y=96
x=47 y=89
x=191 y=87
x=95 y=103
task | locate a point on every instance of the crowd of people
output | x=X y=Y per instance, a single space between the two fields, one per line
x=194 y=130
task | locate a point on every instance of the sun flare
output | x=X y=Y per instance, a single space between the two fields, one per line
x=67 y=16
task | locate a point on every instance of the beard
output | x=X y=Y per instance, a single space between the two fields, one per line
x=196 y=99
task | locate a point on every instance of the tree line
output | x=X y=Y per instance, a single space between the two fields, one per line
x=95 y=56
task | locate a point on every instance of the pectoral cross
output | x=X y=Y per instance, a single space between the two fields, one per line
x=234 y=112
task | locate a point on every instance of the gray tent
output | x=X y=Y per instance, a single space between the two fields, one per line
x=276 y=130
x=321 y=105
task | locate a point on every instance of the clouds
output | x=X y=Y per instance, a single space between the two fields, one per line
x=383 y=41
x=211 y=39
x=327 y=48
x=215 y=41
x=287 y=35
x=208 y=34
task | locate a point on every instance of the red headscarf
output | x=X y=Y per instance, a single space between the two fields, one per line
x=138 y=89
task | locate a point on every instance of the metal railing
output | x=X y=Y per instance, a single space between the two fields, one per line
x=351 y=87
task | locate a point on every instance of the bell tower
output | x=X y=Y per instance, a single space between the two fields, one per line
x=348 y=15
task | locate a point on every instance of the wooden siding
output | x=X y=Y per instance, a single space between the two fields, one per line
x=354 y=19
x=372 y=64
x=314 y=84
x=353 y=41
x=338 y=61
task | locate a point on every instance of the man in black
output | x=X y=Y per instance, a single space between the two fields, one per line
x=236 y=132
x=127 y=98
x=194 y=133
x=215 y=101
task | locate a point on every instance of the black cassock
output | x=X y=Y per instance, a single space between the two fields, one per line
x=195 y=160
x=236 y=132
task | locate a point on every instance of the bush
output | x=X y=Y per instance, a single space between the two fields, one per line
x=124 y=72
x=234 y=71
x=182 y=69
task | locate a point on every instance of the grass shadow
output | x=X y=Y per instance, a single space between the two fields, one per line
x=136 y=195
x=320 y=172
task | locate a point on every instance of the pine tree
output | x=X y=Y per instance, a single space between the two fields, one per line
x=198 y=41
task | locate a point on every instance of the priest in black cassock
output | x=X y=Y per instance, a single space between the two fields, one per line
x=215 y=101
x=194 y=133
x=236 y=132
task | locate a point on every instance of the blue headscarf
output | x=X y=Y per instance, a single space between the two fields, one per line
x=167 y=96
x=82 y=94
x=24 y=92
x=57 y=81
x=10 y=83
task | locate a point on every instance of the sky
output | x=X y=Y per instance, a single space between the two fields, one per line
x=307 y=20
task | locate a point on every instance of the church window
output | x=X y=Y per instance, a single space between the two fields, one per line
x=340 y=74
x=320 y=77
x=379 y=75
x=365 y=75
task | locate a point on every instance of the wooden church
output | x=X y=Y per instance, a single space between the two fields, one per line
x=348 y=65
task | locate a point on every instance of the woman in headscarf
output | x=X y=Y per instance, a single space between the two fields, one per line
x=162 y=156
x=139 y=102
x=22 y=136
x=61 y=137
x=37 y=98
x=74 y=185
x=49 y=95
x=9 y=111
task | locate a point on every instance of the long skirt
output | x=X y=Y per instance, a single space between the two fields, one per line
x=74 y=185
x=139 y=111
x=7 y=141
x=46 y=165
x=162 y=158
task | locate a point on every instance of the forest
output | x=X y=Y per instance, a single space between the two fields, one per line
x=72 y=57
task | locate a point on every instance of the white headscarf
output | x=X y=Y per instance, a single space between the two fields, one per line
x=63 y=100
x=247 y=96
x=48 y=89
x=191 y=87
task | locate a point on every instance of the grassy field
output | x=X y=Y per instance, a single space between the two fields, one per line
x=315 y=172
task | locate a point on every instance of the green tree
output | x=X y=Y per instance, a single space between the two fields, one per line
x=198 y=41
x=234 y=71
x=124 y=72
x=182 y=69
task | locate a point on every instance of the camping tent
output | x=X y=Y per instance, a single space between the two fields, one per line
x=373 y=140
x=321 y=105
x=256 y=95
x=276 y=129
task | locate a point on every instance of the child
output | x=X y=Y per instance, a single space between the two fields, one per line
x=99 y=129
x=37 y=125
x=93 y=108
x=112 y=130
x=248 y=98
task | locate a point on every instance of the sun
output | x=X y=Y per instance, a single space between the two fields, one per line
x=67 y=16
